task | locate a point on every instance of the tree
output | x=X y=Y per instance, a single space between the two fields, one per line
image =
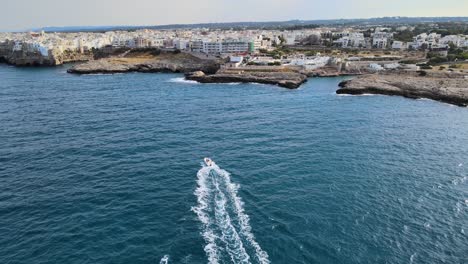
x=405 y=36
x=452 y=46
x=424 y=46
x=282 y=40
x=311 y=40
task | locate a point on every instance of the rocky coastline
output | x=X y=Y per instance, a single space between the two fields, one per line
x=444 y=87
x=448 y=87
x=195 y=68
x=34 y=59
x=147 y=62
x=290 y=80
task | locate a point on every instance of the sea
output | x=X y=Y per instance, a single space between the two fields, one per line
x=108 y=169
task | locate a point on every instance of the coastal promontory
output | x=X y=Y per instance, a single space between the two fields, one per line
x=148 y=61
x=286 y=79
x=450 y=88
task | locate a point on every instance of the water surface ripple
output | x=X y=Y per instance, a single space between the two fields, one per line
x=103 y=169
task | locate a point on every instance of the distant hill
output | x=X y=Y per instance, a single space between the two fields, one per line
x=266 y=25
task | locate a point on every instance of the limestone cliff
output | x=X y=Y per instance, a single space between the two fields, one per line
x=448 y=88
x=147 y=62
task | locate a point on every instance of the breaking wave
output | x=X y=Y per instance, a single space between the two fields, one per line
x=226 y=229
x=182 y=80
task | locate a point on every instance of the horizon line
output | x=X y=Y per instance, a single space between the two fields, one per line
x=141 y=26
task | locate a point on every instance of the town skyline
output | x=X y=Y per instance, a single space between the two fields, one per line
x=26 y=15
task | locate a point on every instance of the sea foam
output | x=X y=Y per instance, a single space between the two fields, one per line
x=226 y=227
x=182 y=80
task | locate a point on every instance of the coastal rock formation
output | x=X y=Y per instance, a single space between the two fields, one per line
x=54 y=58
x=448 y=88
x=164 y=62
x=290 y=80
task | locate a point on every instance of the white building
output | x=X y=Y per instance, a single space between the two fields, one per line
x=212 y=47
x=428 y=40
x=310 y=63
x=234 y=47
x=398 y=45
x=375 y=67
x=181 y=44
x=379 y=43
x=196 y=45
x=457 y=40
x=354 y=40
x=380 y=40
x=392 y=66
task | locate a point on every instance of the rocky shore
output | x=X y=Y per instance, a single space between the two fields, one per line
x=195 y=68
x=26 y=59
x=290 y=80
x=147 y=62
x=443 y=87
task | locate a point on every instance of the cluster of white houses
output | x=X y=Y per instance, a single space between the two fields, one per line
x=432 y=41
x=385 y=40
x=217 y=42
x=203 y=41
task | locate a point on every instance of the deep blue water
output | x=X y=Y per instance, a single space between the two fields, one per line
x=106 y=169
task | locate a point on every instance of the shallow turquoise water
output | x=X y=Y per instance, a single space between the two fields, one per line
x=106 y=169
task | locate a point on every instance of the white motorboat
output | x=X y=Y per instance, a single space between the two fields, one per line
x=208 y=162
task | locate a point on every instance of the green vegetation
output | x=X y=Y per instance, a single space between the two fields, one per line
x=426 y=67
x=282 y=40
x=405 y=36
x=451 y=28
x=408 y=61
x=457 y=54
x=299 y=27
x=454 y=54
x=252 y=63
x=437 y=60
x=422 y=73
x=277 y=53
x=276 y=63
x=311 y=53
x=152 y=51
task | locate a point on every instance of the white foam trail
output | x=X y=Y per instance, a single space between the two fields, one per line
x=230 y=237
x=182 y=80
x=217 y=198
x=164 y=260
x=246 y=229
x=203 y=196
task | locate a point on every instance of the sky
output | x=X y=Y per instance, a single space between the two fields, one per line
x=28 y=14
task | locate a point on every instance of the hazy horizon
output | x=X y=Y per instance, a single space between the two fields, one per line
x=27 y=14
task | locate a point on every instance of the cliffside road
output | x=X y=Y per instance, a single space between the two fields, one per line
x=452 y=89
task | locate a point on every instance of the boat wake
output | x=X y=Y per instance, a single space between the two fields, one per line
x=226 y=229
x=164 y=260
